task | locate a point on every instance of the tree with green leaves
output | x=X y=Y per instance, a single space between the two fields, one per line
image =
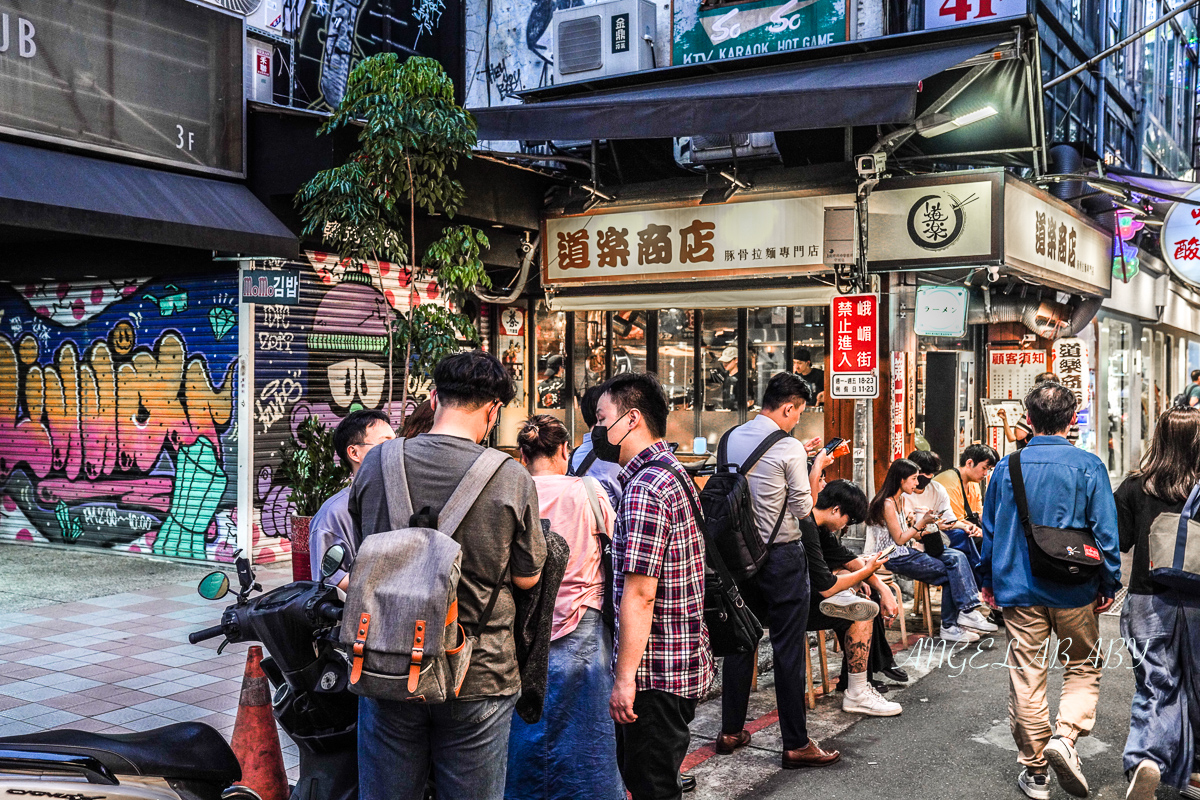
x=310 y=465
x=412 y=137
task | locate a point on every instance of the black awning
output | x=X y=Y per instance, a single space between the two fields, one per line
x=64 y=193
x=874 y=88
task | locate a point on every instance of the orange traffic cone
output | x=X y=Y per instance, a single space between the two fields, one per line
x=255 y=738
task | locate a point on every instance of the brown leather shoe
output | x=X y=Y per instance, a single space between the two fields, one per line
x=811 y=755
x=728 y=742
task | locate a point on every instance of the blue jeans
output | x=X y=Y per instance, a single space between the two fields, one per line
x=572 y=751
x=961 y=593
x=1166 y=701
x=463 y=742
x=963 y=543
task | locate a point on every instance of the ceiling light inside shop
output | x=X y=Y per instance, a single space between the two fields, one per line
x=937 y=124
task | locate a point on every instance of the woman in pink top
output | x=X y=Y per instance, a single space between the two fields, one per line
x=571 y=752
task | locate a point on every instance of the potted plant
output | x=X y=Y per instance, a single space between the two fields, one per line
x=314 y=472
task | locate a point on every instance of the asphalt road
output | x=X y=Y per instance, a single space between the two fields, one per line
x=953 y=741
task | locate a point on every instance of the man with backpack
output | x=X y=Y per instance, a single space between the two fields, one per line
x=464 y=740
x=1050 y=558
x=583 y=460
x=775 y=466
x=663 y=663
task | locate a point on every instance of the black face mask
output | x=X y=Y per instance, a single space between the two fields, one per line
x=922 y=482
x=602 y=447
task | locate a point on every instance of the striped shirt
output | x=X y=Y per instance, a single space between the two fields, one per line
x=656 y=535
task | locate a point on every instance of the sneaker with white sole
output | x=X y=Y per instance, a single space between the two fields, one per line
x=1067 y=766
x=1192 y=790
x=976 y=622
x=871 y=703
x=953 y=633
x=850 y=605
x=1144 y=781
x=1034 y=784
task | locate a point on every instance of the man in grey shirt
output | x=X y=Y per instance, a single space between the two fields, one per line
x=352 y=439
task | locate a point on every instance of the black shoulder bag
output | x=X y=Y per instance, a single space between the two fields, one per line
x=1063 y=555
x=732 y=626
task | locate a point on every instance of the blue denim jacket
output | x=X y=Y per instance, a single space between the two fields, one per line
x=1067 y=488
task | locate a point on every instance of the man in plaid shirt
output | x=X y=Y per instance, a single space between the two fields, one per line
x=662 y=661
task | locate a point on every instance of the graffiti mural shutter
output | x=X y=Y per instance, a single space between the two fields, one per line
x=117 y=425
x=325 y=357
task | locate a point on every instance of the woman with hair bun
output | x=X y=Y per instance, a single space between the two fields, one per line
x=571 y=752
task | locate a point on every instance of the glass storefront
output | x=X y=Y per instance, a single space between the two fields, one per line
x=1114 y=395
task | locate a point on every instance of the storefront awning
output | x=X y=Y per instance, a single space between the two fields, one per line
x=64 y=193
x=874 y=88
x=803 y=295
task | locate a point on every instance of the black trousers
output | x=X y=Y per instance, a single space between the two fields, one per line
x=651 y=749
x=780 y=590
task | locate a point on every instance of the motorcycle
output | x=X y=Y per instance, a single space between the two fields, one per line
x=309 y=676
x=191 y=760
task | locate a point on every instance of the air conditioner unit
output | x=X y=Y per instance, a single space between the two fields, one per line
x=726 y=148
x=603 y=39
x=263 y=15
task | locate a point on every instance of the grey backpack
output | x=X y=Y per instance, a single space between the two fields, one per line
x=400 y=622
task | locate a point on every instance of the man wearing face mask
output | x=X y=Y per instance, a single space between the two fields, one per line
x=465 y=740
x=662 y=660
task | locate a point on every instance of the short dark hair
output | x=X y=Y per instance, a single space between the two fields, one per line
x=472 y=379
x=353 y=429
x=640 y=390
x=786 y=387
x=926 y=461
x=802 y=354
x=1050 y=407
x=979 y=453
x=1042 y=377
x=1195 y=375
x=541 y=436
x=587 y=404
x=846 y=496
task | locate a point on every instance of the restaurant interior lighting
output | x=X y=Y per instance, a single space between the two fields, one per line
x=937 y=124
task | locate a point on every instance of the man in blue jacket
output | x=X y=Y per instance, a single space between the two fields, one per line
x=1066 y=488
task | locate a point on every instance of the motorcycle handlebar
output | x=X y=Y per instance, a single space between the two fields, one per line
x=328 y=611
x=207 y=633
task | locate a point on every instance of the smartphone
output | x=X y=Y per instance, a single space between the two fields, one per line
x=887 y=551
x=832 y=444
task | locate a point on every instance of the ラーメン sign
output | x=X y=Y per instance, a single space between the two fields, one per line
x=1181 y=239
x=713 y=30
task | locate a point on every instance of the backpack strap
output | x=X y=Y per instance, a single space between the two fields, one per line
x=963 y=486
x=723 y=448
x=769 y=441
x=468 y=490
x=589 y=486
x=395 y=482
x=1018 y=484
x=585 y=465
x=1188 y=512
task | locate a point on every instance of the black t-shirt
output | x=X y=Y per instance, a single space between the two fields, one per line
x=816 y=381
x=1136 y=511
x=822 y=549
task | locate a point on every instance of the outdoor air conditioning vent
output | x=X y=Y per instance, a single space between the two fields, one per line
x=602 y=39
x=738 y=140
x=579 y=45
x=728 y=149
x=246 y=7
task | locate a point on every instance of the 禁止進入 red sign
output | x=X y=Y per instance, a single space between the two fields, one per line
x=854 y=346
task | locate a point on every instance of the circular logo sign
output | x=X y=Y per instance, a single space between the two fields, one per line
x=1180 y=239
x=936 y=221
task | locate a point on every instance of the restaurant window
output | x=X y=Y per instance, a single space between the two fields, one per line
x=1113 y=405
x=676 y=371
x=721 y=371
x=767 y=348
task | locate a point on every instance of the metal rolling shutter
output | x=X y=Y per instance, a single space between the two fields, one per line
x=117 y=414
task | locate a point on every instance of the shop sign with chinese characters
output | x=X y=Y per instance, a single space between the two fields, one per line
x=1011 y=372
x=1055 y=240
x=1181 y=239
x=898 y=403
x=853 y=359
x=754 y=238
x=1071 y=367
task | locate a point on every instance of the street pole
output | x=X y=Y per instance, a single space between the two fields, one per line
x=862 y=407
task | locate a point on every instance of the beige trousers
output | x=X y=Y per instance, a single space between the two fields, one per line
x=1030 y=657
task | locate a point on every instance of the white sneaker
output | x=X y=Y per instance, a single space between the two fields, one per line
x=1034 y=785
x=953 y=633
x=849 y=605
x=1067 y=766
x=1192 y=790
x=871 y=703
x=976 y=622
x=1144 y=781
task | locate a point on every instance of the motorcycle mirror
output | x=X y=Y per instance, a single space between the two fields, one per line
x=214 y=586
x=333 y=560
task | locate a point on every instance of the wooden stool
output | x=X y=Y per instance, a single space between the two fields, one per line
x=921 y=604
x=889 y=580
x=810 y=692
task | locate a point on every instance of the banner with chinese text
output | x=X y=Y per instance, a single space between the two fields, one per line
x=854 y=346
x=1181 y=239
x=1011 y=372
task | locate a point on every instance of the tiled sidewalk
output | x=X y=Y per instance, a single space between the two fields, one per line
x=122 y=663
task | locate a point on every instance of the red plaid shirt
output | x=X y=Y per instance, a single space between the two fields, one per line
x=656 y=535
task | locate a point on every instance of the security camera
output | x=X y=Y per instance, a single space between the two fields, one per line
x=871 y=165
